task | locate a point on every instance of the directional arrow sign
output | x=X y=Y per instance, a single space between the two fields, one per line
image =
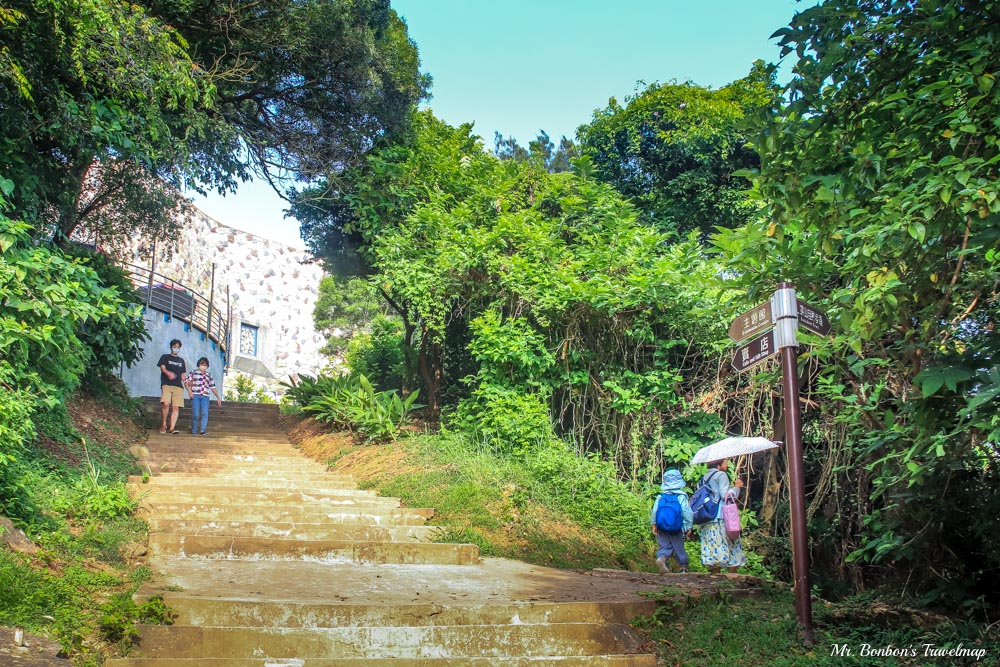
x=754 y=352
x=812 y=318
x=753 y=321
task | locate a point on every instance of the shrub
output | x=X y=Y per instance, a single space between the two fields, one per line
x=514 y=420
x=16 y=407
x=118 y=336
x=245 y=391
x=589 y=491
x=351 y=402
x=378 y=355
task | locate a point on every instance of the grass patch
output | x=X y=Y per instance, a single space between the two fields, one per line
x=506 y=503
x=761 y=631
x=67 y=492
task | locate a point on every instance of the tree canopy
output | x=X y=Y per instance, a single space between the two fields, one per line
x=110 y=108
x=675 y=150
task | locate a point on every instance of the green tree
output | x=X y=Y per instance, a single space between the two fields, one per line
x=89 y=83
x=434 y=161
x=109 y=107
x=342 y=217
x=563 y=264
x=307 y=86
x=555 y=159
x=345 y=307
x=675 y=150
x=880 y=183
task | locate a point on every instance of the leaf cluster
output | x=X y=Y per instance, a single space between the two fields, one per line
x=351 y=402
x=60 y=320
x=113 y=108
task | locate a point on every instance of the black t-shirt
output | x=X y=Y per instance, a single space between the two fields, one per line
x=175 y=365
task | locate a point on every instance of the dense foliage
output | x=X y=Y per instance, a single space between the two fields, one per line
x=676 y=149
x=60 y=322
x=537 y=305
x=879 y=180
x=110 y=107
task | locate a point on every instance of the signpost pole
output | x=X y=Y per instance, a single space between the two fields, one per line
x=786 y=340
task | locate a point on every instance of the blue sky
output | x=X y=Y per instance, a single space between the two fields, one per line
x=517 y=66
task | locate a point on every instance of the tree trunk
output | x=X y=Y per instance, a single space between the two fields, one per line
x=69 y=213
x=429 y=363
x=408 y=330
x=772 y=494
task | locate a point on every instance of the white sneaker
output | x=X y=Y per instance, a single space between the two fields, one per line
x=661 y=563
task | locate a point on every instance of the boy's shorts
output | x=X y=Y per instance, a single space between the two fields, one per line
x=172 y=395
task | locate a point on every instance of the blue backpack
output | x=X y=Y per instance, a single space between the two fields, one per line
x=704 y=504
x=668 y=514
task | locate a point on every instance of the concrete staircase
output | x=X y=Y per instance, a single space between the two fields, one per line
x=269 y=560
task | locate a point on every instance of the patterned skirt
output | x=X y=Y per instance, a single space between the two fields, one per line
x=717 y=550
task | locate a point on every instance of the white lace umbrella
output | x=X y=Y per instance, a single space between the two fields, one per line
x=729 y=448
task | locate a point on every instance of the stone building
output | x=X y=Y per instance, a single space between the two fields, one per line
x=266 y=291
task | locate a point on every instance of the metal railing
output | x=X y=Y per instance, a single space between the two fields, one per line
x=179 y=301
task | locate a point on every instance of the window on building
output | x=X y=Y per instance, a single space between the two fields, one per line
x=248 y=339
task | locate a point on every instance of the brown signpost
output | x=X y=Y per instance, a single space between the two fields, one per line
x=785 y=313
x=754 y=352
x=753 y=321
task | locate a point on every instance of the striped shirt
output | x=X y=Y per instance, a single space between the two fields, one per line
x=200 y=383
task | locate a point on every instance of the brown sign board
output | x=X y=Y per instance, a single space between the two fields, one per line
x=754 y=352
x=753 y=321
x=813 y=318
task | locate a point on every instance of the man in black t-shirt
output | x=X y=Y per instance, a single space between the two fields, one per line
x=172 y=375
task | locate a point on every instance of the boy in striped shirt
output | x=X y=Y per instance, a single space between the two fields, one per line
x=199 y=383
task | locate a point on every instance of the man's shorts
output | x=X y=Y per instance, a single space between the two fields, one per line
x=172 y=395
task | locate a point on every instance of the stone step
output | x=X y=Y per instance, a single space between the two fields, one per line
x=194 y=446
x=259 y=481
x=228 y=547
x=226 y=409
x=228 y=495
x=248 y=472
x=466 y=641
x=494 y=581
x=217 y=425
x=231 y=456
x=215 y=438
x=638 y=660
x=260 y=406
x=209 y=463
x=358 y=515
x=152 y=405
x=297 y=530
x=218 y=420
x=203 y=612
x=227 y=417
x=229 y=468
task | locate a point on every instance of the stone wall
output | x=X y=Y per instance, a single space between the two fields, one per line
x=272 y=293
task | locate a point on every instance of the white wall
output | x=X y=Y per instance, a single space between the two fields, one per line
x=271 y=286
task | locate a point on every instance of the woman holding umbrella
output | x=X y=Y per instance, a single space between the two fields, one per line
x=717 y=550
